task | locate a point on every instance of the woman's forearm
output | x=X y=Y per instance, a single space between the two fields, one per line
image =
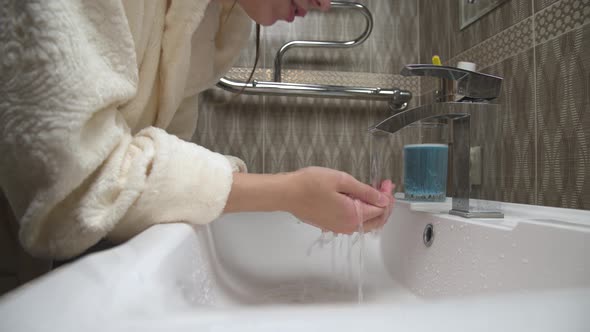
x=329 y=199
x=259 y=192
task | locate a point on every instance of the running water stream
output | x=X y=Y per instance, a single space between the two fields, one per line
x=337 y=252
x=378 y=144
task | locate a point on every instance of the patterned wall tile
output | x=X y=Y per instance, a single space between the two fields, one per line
x=497 y=20
x=248 y=54
x=486 y=133
x=395 y=42
x=304 y=132
x=505 y=44
x=336 y=24
x=542 y=4
x=231 y=126
x=435 y=29
x=513 y=161
x=562 y=17
x=401 y=48
x=563 y=94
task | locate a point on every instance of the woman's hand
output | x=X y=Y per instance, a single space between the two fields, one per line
x=323 y=197
x=337 y=202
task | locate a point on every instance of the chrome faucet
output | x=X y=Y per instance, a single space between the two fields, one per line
x=460 y=94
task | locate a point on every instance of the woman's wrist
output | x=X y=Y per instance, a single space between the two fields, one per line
x=261 y=192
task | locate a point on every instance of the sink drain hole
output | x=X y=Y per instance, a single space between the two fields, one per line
x=428 y=235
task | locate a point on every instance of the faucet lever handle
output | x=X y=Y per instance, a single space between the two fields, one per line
x=472 y=85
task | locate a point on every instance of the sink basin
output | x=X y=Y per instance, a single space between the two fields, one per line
x=259 y=268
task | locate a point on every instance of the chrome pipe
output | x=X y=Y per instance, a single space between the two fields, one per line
x=398 y=99
x=396 y=96
x=327 y=43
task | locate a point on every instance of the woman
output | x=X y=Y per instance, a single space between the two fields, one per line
x=96 y=98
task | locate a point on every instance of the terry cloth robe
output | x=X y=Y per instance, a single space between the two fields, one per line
x=97 y=102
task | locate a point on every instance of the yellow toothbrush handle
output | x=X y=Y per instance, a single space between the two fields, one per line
x=436 y=60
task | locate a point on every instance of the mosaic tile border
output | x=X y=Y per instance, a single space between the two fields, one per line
x=499 y=47
x=561 y=17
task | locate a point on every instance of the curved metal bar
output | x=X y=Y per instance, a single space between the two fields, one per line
x=396 y=96
x=327 y=43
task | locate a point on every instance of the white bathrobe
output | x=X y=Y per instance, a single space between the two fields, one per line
x=95 y=99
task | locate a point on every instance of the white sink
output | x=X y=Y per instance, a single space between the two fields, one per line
x=257 y=272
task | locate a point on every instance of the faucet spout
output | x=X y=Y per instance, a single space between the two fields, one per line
x=449 y=110
x=458 y=116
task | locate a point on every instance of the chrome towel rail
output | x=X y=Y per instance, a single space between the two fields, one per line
x=328 y=43
x=398 y=98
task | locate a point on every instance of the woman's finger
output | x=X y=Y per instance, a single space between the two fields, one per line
x=387 y=187
x=356 y=189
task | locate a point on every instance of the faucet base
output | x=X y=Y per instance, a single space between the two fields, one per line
x=477 y=214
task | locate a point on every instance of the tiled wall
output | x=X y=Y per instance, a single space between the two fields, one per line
x=541 y=48
x=276 y=134
x=537 y=148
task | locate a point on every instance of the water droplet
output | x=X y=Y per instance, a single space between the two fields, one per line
x=452 y=227
x=525 y=261
x=502 y=256
x=514 y=245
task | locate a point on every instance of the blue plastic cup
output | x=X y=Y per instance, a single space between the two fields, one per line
x=425 y=172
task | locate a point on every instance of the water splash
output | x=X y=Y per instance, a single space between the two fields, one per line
x=320 y=242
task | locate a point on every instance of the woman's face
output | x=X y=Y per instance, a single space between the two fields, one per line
x=267 y=12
